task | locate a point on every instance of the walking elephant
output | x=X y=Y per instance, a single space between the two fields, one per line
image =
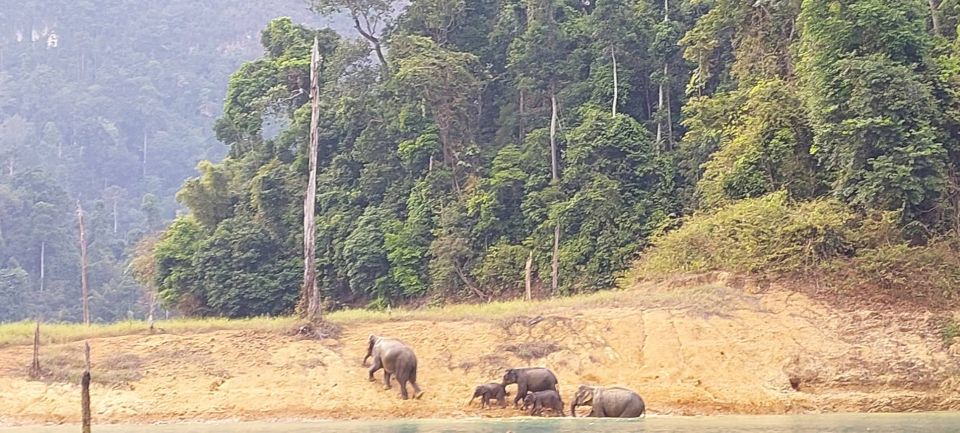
x=613 y=402
x=540 y=400
x=530 y=379
x=395 y=358
x=488 y=392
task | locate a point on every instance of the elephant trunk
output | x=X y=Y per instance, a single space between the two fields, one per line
x=573 y=409
x=365 y=359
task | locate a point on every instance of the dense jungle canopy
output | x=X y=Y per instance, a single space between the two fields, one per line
x=459 y=139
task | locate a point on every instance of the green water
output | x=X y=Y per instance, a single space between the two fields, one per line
x=835 y=423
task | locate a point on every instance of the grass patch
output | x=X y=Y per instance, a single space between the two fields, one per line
x=950 y=330
x=56 y=333
x=65 y=364
x=705 y=298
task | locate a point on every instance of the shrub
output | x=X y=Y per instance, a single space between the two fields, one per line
x=761 y=234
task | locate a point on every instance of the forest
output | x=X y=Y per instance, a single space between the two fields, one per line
x=461 y=141
x=109 y=104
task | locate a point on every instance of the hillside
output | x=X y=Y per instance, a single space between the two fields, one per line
x=707 y=345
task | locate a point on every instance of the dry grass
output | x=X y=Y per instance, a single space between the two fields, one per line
x=704 y=299
x=55 y=333
x=65 y=364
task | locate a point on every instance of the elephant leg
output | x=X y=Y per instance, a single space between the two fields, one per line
x=386 y=379
x=417 y=392
x=376 y=366
x=403 y=387
x=484 y=401
x=521 y=393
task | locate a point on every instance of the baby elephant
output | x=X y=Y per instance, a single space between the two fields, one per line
x=539 y=400
x=489 y=392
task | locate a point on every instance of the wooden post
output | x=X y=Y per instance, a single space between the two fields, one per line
x=85 y=389
x=528 y=276
x=309 y=291
x=84 y=290
x=35 y=365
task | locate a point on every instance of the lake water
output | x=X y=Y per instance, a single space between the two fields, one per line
x=833 y=423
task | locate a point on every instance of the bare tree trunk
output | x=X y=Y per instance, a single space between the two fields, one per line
x=143 y=167
x=554 y=164
x=616 y=83
x=114 y=215
x=659 y=114
x=935 y=16
x=310 y=291
x=528 y=277
x=555 y=260
x=666 y=17
x=522 y=132
x=669 y=114
x=43 y=253
x=85 y=389
x=35 y=365
x=84 y=290
x=152 y=299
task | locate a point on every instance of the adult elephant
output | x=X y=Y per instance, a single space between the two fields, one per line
x=613 y=402
x=530 y=379
x=395 y=358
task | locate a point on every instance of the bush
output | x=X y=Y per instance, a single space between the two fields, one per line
x=761 y=234
x=773 y=235
x=932 y=270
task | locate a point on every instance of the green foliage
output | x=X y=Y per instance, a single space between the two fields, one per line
x=176 y=279
x=870 y=103
x=762 y=148
x=765 y=234
x=815 y=133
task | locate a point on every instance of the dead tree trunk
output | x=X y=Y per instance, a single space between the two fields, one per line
x=666 y=17
x=616 y=84
x=35 y=371
x=555 y=260
x=528 y=277
x=85 y=389
x=521 y=120
x=143 y=167
x=43 y=253
x=310 y=291
x=935 y=16
x=84 y=290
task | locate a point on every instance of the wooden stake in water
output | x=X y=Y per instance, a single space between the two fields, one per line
x=85 y=389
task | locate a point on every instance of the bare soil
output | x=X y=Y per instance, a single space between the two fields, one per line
x=694 y=346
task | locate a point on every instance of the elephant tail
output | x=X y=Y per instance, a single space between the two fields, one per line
x=413 y=372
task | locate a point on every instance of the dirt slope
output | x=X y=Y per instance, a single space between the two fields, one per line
x=703 y=350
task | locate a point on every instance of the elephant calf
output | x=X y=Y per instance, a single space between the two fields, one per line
x=537 y=401
x=530 y=379
x=613 y=402
x=489 y=392
x=395 y=358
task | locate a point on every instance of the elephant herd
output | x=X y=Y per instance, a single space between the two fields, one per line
x=537 y=387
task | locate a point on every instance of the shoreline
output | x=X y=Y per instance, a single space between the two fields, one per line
x=523 y=418
x=704 y=350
